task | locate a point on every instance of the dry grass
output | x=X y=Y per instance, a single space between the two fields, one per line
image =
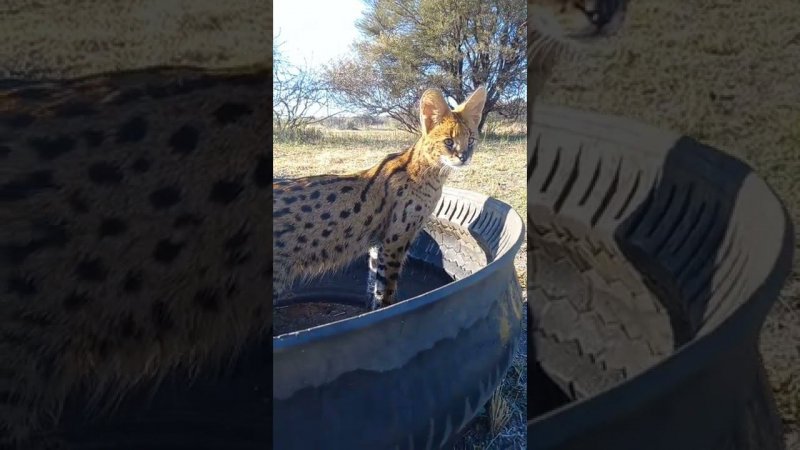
x=499 y=412
x=76 y=37
x=725 y=72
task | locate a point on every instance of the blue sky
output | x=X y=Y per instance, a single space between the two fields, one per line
x=315 y=31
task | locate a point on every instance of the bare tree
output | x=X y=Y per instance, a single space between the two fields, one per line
x=299 y=95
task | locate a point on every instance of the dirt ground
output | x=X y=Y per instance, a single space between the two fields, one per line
x=301 y=316
x=75 y=37
x=728 y=73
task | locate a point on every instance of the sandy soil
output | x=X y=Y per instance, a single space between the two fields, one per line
x=290 y=318
x=726 y=72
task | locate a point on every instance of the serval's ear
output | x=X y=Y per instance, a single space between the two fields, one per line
x=472 y=108
x=432 y=109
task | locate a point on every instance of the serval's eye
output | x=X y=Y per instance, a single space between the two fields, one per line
x=448 y=142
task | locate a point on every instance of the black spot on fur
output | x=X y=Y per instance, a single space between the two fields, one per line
x=112 y=227
x=162 y=319
x=331 y=198
x=184 y=141
x=128 y=328
x=52 y=148
x=289 y=200
x=186 y=220
x=78 y=204
x=32 y=184
x=237 y=240
x=18 y=120
x=231 y=287
x=166 y=251
x=314 y=195
x=22 y=287
x=91 y=270
x=357 y=208
x=339 y=248
x=262 y=175
x=134 y=130
x=325 y=216
x=302 y=239
x=93 y=138
x=394 y=238
x=105 y=173
x=165 y=197
x=306 y=208
x=225 y=192
x=346 y=189
x=44 y=236
x=368 y=221
x=344 y=214
x=231 y=112
x=207 y=299
x=75 y=108
x=281 y=213
x=75 y=301
x=141 y=165
x=308 y=225
x=326 y=233
x=132 y=282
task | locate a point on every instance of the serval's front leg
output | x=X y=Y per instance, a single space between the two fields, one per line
x=384 y=270
x=390 y=263
x=376 y=279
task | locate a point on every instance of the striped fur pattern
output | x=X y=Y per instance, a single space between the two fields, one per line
x=322 y=223
x=132 y=211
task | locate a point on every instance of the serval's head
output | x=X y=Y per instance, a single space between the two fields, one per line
x=449 y=137
x=559 y=27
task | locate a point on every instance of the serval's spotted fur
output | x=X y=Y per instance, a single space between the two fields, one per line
x=323 y=222
x=134 y=233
